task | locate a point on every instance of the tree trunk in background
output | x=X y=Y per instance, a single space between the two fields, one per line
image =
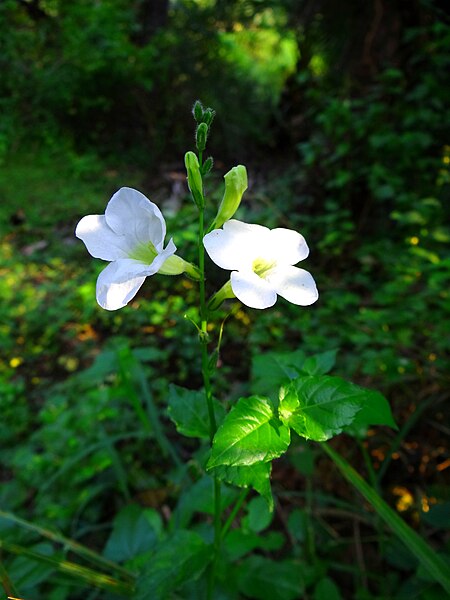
x=151 y=16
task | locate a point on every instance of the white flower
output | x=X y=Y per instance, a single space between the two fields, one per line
x=131 y=236
x=261 y=261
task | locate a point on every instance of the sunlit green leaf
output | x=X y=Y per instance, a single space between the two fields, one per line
x=318 y=407
x=250 y=433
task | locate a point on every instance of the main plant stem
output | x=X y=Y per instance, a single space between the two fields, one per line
x=209 y=398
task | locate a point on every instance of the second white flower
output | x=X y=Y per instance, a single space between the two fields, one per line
x=262 y=263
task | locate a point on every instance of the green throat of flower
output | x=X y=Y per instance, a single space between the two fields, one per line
x=145 y=253
x=262 y=267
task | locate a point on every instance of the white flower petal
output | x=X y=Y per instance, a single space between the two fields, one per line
x=294 y=284
x=119 y=282
x=100 y=240
x=162 y=257
x=251 y=290
x=236 y=245
x=131 y=214
x=287 y=246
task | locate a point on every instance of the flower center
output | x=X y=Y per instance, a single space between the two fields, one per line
x=261 y=266
x=145 y=253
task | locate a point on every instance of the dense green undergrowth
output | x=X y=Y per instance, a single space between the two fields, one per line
x=84 y=391
x=360 y=165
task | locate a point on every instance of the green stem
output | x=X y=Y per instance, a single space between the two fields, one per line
x=209 y=398
x=430 y=560
x=239 y=502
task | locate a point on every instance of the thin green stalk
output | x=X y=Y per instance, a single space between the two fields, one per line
x=430 y=560
x=239 y=502
x=208 y=396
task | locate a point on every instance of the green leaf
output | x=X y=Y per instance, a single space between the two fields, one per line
x=319 y=407
x=262 y=578
x=431 y=561
x=189 y=411
x=135 y=531
x=375 y=410
x=319 y=364
x=249 y=434
x=238 y=543
x=259 y=517
x=326 y=589
x=199 y=498
x=256 y=476
x=179 y=559
x=270 y=371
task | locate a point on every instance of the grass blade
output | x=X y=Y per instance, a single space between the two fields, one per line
x=430 y=560
x=79 y=572
x=68 y=544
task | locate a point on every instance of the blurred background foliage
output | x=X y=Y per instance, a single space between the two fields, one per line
x=340 y=112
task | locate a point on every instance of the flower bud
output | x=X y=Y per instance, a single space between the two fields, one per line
x=194 y=177
x=208 y=116
x=235 y=186
x=207 y=165
x=175 y=265
x=197 y=111
x=201 y=136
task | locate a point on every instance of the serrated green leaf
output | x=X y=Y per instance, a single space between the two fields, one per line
x=135 y=530
x=262 y=578
x=179 y=559
x=189 y=411
x=256 y=476
x=319 y=407
x=250 y=433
